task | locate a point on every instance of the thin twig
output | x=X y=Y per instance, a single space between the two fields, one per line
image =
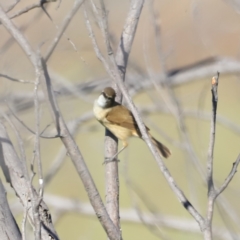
x=61 y=30
x=212 y=134
x=26 y=9
x=13 y=5
x=20 y=144
x=39 y=4
x=28 y=128
x=94 y=42
x=15 y=79
x=59 y=159
x=210 y=183
x=229 y=177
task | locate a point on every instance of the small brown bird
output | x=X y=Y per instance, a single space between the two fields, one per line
x=120 y=121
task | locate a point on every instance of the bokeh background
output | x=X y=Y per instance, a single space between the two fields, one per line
x=191 y=31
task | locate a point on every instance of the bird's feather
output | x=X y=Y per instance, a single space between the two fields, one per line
x=121 y=116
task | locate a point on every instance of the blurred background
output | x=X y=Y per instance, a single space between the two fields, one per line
x=182 y=43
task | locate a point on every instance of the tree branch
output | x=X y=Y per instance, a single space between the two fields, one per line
x=121 y=57
x=229 y=177
x=61 y=30
x=212 y=135
x=8 y=226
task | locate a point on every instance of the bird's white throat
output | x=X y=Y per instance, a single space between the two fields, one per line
x=100 y=108
x=102 y=101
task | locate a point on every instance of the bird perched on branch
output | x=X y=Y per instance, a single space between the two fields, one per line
x=120 y=121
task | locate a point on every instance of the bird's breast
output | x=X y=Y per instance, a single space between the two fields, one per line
x=99 y=112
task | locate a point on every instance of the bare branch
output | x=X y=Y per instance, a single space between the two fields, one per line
x=121 y=57
x=15 y=79
x=179 y=76
x=8 y=226
x=111 y=169
x=26 y=208
x=39 y=4
x=212 y=193
x=61 y=30
x=229 y=178
x=26 y=9
x=37 y=156
x=59 y=159
x=128 y=34
x=210 y=183
x=21 y=145
x=94 y=42
x=28 y=128
x=13 y=5
x=212 y=135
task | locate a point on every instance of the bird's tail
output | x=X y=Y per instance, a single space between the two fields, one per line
x=164 y=151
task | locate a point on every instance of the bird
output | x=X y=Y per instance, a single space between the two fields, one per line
x=120 y=121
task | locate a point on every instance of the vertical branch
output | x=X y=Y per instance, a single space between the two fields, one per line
x=128 y=34
x=212 y=134
x=37 y=156
x=37 y=133
x=112 y=179
x=111 y=169
x=121 y=58
x=212 y=192
x=210 y=183
x=111 y=147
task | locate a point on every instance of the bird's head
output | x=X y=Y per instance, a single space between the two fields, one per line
x=107 y=97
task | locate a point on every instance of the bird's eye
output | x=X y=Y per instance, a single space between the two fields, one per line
x=104 y=94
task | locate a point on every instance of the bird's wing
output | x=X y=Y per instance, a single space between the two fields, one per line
x=121 y=116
